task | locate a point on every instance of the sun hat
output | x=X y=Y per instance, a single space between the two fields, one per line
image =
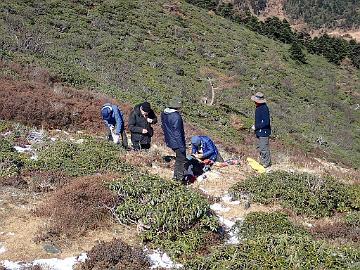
x=258 y=98
x=175 y=103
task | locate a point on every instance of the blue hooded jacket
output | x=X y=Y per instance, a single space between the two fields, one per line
x=209 y=150
x=262 y=121
x=173 y=127
x=112 y=116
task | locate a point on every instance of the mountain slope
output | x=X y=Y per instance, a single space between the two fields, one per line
x=135 y=51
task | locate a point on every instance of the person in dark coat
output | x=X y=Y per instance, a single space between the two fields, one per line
x=140 y=120
x=113 y=120
x=262 y=128
x=202 y=147
x=173 y=127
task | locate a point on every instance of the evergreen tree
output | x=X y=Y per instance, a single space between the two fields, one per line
x=296 y=53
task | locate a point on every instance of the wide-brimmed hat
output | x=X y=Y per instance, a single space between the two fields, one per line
x=258 y=98
x=145 y=107
x=175 y=103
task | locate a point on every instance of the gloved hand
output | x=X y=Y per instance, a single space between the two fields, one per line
x=149 y=120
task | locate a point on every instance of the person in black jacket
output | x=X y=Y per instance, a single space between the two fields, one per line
x=140 y=120
x=262 y=128
x=173 y=127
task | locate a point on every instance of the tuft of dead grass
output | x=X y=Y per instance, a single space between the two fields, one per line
x=115 y=255
x=78 y=207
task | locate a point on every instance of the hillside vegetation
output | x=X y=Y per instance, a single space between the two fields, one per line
x=135 y=51
x=317 y=13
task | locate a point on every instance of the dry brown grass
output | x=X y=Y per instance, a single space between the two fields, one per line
x=115 y=255
x=78 y=207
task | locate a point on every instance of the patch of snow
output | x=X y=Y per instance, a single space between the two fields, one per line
x=53 y=263
x=233 y=237
x=233 y=233
x=218 y=207
x=203 y=190
x=226 y=222
x=2 y=248
x=202 y=177
x=309 y=225
x=159 y=259
x=53 y=139
x=23 y=149
x=228 y=199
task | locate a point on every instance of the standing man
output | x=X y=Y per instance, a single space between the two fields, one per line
x=262 y=128
x=202 y=147
x=140 y=120
x=173 y=127
x=113 y=120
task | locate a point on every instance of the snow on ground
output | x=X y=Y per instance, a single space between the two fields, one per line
x=159 y=259
x=26 y=148
x=2 y=248
x=228 y=199
x=20 y=149
x=53 y=263
x=218 y=208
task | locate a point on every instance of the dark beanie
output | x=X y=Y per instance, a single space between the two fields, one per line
x=146 y=107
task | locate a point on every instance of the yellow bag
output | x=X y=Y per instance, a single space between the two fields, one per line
x=255 y=165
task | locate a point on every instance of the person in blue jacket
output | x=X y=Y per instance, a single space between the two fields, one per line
x=173 y=127
x=262 y=128
x=202 y=147
x=113 y=120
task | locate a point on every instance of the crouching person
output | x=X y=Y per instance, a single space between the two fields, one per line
x=140 y=120
x=204 y=149
x=113 y=120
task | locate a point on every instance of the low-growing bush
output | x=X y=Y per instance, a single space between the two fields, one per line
x=259 y=223
x=170 y=215
x=80 y=206
x=11 y=161
x=115 y=255
x=279 y=252
x=77 y=159
x=303 y=193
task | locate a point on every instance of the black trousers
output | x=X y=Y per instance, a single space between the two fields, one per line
x=140 y=146
x=179 y=168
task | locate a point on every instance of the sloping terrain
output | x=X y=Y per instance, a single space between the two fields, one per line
x=65 y=191
x=171 y=48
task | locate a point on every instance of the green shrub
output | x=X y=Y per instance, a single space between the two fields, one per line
x=11 y=161
x=90 y=157
x=354 y=194
x=258 y=223
x=279 y=252
x=172 y=216
x=353 y=219
x=303 y=193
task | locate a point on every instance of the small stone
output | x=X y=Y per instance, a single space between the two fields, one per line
x=50 y=248
x=247 y=205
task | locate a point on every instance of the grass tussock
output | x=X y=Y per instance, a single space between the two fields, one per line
x=115 y=255
x=80 y=206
